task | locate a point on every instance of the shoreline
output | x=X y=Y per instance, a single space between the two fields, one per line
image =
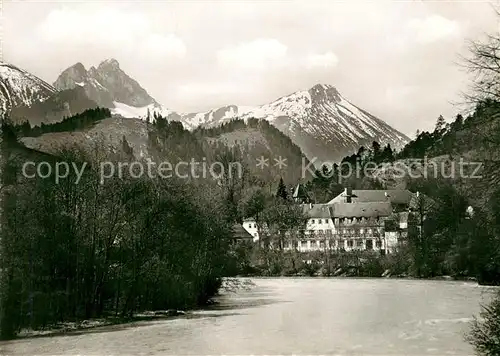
x=89 y=325
x=437 y=278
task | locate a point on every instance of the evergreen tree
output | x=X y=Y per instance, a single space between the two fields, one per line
x=376 y=151
x=387 y=154
x=282 y=193
x=440 y=124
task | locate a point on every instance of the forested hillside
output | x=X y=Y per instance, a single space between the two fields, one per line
x=160 y=140
x=81 y=248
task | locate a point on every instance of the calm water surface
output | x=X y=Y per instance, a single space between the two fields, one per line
x=296 y=316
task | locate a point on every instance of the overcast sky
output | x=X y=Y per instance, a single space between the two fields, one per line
x=394 y=59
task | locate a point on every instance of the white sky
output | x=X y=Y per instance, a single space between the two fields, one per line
x=396 y=59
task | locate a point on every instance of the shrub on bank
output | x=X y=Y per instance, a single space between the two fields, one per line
x=485 y=330
x=329 y=263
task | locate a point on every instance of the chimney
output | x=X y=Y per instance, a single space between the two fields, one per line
x=348 y=195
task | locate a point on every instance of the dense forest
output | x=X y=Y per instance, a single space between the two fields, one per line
x=76 y=122
x=478 y=130
x=72 y=252
x=329 y=181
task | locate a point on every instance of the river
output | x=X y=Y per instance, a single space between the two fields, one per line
x=301 y=316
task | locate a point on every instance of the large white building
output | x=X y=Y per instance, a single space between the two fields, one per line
x=354 y=220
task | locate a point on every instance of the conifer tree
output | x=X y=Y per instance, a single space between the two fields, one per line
x=440 y=124
x=282 y=193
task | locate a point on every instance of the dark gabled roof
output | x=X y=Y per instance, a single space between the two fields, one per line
x=240 y=233
x=395 y=196
x=366 y=210
x=348 y=210
x=317 y=210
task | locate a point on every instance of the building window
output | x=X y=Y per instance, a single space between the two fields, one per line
x=345 y=231
x=312 y=221
x=340 y=244
x=359 y=243
x=378 y=244
x=360 y=231
x=369 y=244
x=350 y=243
x=303 y=244
x=322 y=244
x=313 y=244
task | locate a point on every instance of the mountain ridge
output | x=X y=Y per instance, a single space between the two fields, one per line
x=324 y=124
x=320 y=120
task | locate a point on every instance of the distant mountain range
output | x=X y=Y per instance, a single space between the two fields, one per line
x=320 y=121
x=324 y=124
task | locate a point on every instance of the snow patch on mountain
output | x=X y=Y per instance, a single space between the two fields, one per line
x=128 y=111
x=18 y=87
x=320 y=121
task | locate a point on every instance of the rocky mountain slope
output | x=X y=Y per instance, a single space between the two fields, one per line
x=25 y=97
x=323 y=123
x=320 y=121
x=110 y=87
x=61 y=104
x=18 y=87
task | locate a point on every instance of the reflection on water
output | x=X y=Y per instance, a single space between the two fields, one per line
x=295 y=316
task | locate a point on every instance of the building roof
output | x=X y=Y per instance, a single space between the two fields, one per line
x=348 y=210
x=365 y=209
x=317 y=210
x=395 y=196
x=240 y=233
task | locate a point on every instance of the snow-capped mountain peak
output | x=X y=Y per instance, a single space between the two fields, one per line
x=109 y=86
x=324 y=93
x=324 y=124
x=18 y=87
